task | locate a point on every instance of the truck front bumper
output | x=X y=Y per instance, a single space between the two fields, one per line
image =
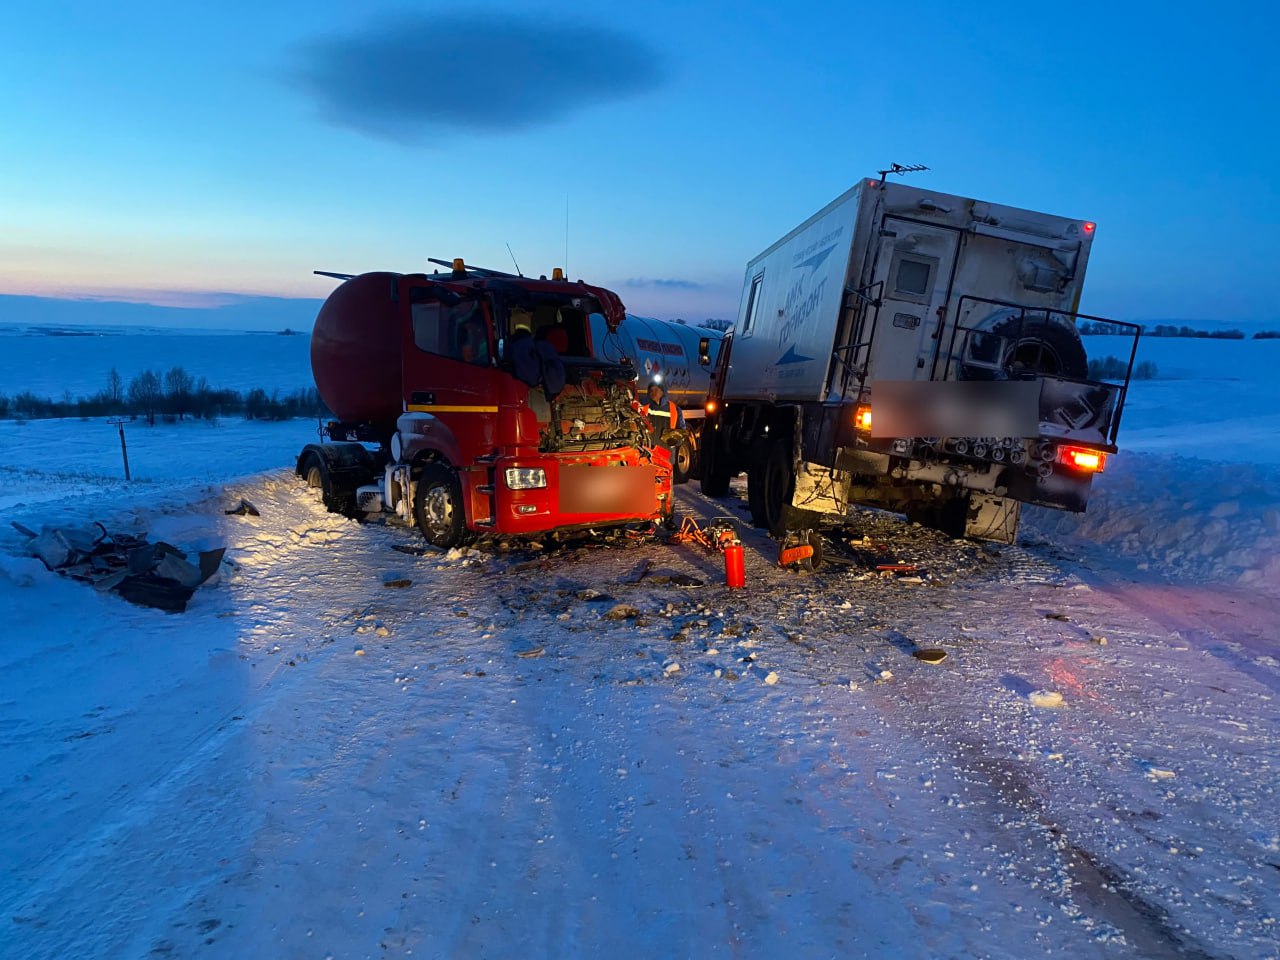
x=582 y=491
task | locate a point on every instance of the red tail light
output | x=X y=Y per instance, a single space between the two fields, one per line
x=1083 y=458
x=711 y=406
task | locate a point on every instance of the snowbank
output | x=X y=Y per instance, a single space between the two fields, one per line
x=1181 y=517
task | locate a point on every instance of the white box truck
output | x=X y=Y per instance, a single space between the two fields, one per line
x=919 y=352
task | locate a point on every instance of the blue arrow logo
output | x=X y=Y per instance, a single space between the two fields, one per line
x=816 y=260
x=792 y=357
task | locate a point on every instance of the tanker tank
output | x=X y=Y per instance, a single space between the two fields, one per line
x=355 y=351
x=661 y=348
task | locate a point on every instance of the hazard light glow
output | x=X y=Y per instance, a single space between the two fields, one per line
x=1082 y=458
x=862 y=419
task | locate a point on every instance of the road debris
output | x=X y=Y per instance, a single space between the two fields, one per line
x=929 y=655
x=623 y=611
x=1049 y=699
x=155 y=575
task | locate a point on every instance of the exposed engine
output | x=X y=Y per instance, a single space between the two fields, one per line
x=594 y=415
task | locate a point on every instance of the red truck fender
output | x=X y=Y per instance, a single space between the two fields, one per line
x=421 y=433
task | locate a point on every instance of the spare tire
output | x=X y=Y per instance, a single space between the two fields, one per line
x=1016 y=345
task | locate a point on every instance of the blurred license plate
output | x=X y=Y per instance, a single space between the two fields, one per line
x=587 y=489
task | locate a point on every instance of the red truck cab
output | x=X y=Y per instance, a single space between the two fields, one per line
x=488 y=411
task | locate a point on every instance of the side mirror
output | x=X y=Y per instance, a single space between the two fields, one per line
x=704 y=351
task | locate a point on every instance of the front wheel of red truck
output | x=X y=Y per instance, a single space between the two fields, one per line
x=438 y=509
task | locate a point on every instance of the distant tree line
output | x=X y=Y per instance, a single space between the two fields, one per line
x=171 y=396
x=1169 y=330
x=1100 y=329
x=714 y=323
x=1113 y=368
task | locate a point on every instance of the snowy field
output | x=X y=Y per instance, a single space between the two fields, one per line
x=486 y=763
x=50 y=366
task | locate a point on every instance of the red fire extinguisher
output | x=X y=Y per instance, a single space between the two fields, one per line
x=725 y=538
x=735 y=574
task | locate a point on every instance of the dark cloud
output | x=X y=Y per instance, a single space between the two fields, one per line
x=405 y=78
x=667 y=284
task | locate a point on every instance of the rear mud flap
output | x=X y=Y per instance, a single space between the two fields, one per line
x=993 y=518
x=820 y=490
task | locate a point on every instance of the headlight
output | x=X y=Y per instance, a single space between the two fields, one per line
x=525 y=478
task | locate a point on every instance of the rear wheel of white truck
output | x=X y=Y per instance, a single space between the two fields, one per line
x=715 y=466
x=776 y=483
x=438 y=508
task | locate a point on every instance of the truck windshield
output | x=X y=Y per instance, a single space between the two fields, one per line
x=558 y=321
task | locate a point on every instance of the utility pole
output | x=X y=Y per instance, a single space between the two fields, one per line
x=124 y=451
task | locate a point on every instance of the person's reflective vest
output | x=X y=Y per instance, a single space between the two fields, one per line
x=660 y=421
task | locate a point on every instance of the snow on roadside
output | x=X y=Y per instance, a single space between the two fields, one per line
x=1179 y=517
x=54 y=462
x=320 y=757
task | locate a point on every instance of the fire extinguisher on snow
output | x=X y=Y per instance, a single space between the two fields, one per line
x=725 y=537
x=720 y=534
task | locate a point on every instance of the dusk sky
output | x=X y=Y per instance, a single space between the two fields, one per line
x=169 y=153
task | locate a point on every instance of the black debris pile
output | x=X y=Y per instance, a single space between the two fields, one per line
x=149 y=574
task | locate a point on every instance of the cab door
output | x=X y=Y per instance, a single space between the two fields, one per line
x=448 y=363
x=914 y=264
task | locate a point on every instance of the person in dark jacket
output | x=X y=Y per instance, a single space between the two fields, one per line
x=662 y=413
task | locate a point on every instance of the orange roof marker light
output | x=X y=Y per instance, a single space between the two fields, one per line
x=1083 y=458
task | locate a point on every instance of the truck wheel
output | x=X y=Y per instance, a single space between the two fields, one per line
x=715 y=468
x=438 y=509
x=755 y=489
x=316 y=475
x=681 y=461
x=779 y=484
x=1036 y=346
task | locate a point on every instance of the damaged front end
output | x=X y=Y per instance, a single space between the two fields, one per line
x=596 y=411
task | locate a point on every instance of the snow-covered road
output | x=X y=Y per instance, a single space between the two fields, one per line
x=483 y=763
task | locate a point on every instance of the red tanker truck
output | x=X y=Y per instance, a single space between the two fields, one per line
x=469 y=403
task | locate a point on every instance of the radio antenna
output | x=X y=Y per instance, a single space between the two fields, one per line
x=899 y=169
x=513 y=260
x=566 y=236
